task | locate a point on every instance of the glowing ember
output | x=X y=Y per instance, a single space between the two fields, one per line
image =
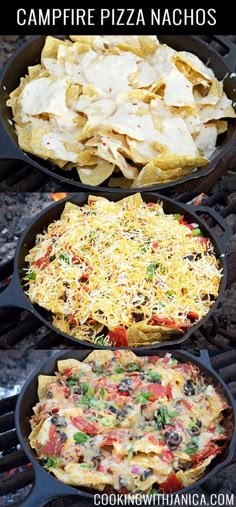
x=57 y=196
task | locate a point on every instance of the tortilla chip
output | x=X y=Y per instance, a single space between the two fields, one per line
x=51 y=46
x=95 y=175
x=144 y=334
x=44 y=381
x=98 y=357
x=194 y=474
x=67 y=364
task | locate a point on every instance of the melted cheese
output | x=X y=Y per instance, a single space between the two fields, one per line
x=44 y=95
x=103 y=435
x=110 y=244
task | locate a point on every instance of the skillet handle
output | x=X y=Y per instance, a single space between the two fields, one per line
x=45 y=489
x=14 y=297
x=226 y=228
x=9 y=149
x=230 y=57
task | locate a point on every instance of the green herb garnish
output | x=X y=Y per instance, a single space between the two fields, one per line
x=119 y=370
x=197 y=232
x=102 y=392
x=173 y=414
x=177 y=216
x=133 y=367
x=52 y=463
x=151 y=271
x=154 y=376
x=64 y=257
x=31 y=276
x=80 y=437
x=192 y=446
x=143 y=397
x=170 y=293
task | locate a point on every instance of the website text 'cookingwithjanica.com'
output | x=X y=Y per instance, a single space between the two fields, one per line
x=195 y=499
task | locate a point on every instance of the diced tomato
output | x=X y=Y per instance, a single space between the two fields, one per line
x=150 y=204
x=108 y=441
x=158 y=391
x=55 y=410
x=202 y=240
x=210 y=450
x=101 y=468
x=163 y=321
x=117 y=353
x=167 y=456
x=153 y=359
x=91 y=201
x=54 y=446
x=152 y=439
x=155 y=245
x=72 y=321
x=76 y=259
x=169 y=392
x=185 y=367
x=190 y=226
x=67 y=372
x=171 y=484
x=193 y=316
x=83 y=425
x=118 y=337
x=44 y=261
x=165 y=359
x=187 y=404
x=181 y=220
x=212 y=428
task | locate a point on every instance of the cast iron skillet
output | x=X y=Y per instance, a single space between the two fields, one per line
x=47 y=486
x=29 y=54
x=14 y=295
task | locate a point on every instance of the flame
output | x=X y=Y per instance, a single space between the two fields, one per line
x=57 y=196
x=197 y=200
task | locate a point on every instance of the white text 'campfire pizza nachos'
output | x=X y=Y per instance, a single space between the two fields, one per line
x=129 y=423
x=125 y=266
x=124 y=108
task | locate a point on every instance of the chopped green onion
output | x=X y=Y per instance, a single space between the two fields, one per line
x=177 y=216
x=119 y=370
x=154 y=491
x=31 y=276
x=151 y=271
x=173 y=414
x=192 y=446
x=154 y=376
x=143 y=397
x=102 y=392
x=143 y=248
x=64 y=257
x=101 y=340
x=197 y=232
x=80 y=437
x=52 y=463
x=72 y=382
x=133 y=367
x=191 y=424
x=170 y=292
x=85 y=465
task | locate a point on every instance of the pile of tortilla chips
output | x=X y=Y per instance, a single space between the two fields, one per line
x=122 y=109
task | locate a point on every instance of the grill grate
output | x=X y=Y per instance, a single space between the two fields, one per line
x=16 y=472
